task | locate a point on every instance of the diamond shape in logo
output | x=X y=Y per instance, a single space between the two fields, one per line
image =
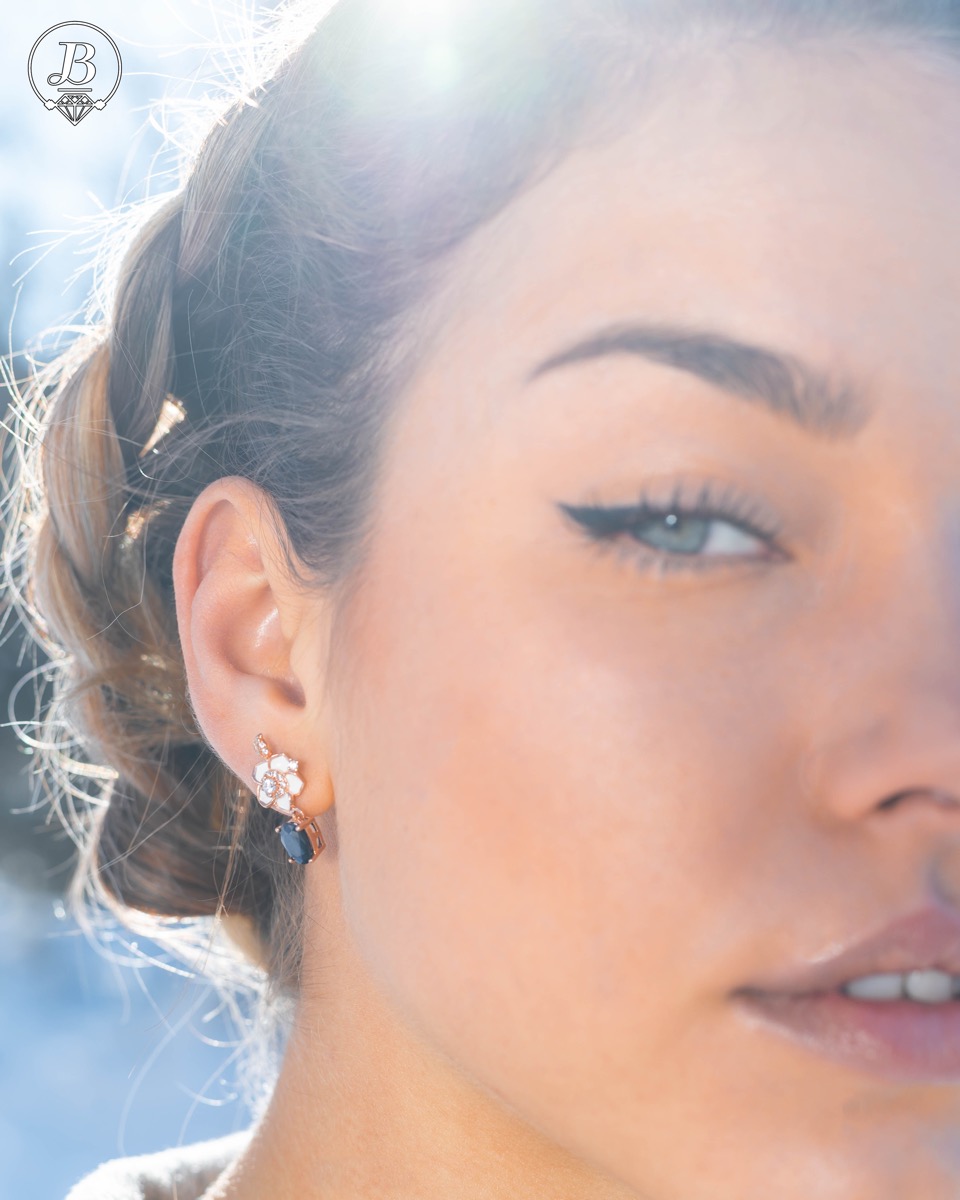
x=74 y=106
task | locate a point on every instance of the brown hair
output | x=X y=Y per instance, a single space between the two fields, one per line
x=263 y=323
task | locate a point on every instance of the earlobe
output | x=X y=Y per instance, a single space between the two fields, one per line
x=238 y=617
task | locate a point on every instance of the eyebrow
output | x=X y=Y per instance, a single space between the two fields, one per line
x=782 y=383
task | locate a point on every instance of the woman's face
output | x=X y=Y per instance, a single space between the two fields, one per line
x=586 y=790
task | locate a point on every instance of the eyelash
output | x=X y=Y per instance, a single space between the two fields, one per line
x=706 y=501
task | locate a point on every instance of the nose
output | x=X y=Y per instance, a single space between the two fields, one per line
x=889 y=756
x=886 y=740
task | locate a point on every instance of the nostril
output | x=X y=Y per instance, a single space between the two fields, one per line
x=894 y=800
x=939 y=797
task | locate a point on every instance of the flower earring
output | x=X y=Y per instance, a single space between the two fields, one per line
x=278 y=785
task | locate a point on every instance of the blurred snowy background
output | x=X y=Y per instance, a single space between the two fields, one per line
x=96 y=1059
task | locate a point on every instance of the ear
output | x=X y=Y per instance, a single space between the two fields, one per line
x=243 y=621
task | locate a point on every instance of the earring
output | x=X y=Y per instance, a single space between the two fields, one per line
x=278 y=784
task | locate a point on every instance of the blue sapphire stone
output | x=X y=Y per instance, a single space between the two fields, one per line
x=296 y=843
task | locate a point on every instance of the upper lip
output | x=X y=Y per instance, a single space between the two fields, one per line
x=924 y=939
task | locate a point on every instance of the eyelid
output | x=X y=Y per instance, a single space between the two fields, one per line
x=609 y=525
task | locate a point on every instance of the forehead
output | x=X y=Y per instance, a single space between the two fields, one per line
x=804 y=198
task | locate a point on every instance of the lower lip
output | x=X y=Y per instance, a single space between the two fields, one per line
x=896 y=1039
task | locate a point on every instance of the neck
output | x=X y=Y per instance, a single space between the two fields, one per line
x=365 y=1106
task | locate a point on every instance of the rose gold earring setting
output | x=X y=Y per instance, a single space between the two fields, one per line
x=278 y=785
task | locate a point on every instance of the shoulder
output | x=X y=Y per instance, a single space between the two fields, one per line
x=183 y=1173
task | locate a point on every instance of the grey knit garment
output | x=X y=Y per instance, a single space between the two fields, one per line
x=184 y=1173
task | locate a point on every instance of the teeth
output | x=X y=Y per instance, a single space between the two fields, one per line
x=875 y=987
x=930 y=987
x=927 y=987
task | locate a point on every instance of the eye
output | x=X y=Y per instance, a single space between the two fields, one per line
x=690 y=532
x=703 y=534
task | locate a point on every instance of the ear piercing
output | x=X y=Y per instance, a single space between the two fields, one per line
x=278 y=785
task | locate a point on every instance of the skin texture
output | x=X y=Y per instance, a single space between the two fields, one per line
x=573 y=802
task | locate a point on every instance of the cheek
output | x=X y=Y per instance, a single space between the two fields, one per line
x=542 y=832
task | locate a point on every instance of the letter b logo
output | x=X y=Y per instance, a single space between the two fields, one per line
x=75 y=54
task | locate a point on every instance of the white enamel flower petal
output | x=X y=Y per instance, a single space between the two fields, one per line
x=282 y=802
x=294 y=784
x=260 y=770
x=280 y=762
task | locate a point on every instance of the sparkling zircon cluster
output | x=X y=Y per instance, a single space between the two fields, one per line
x=278 y=783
